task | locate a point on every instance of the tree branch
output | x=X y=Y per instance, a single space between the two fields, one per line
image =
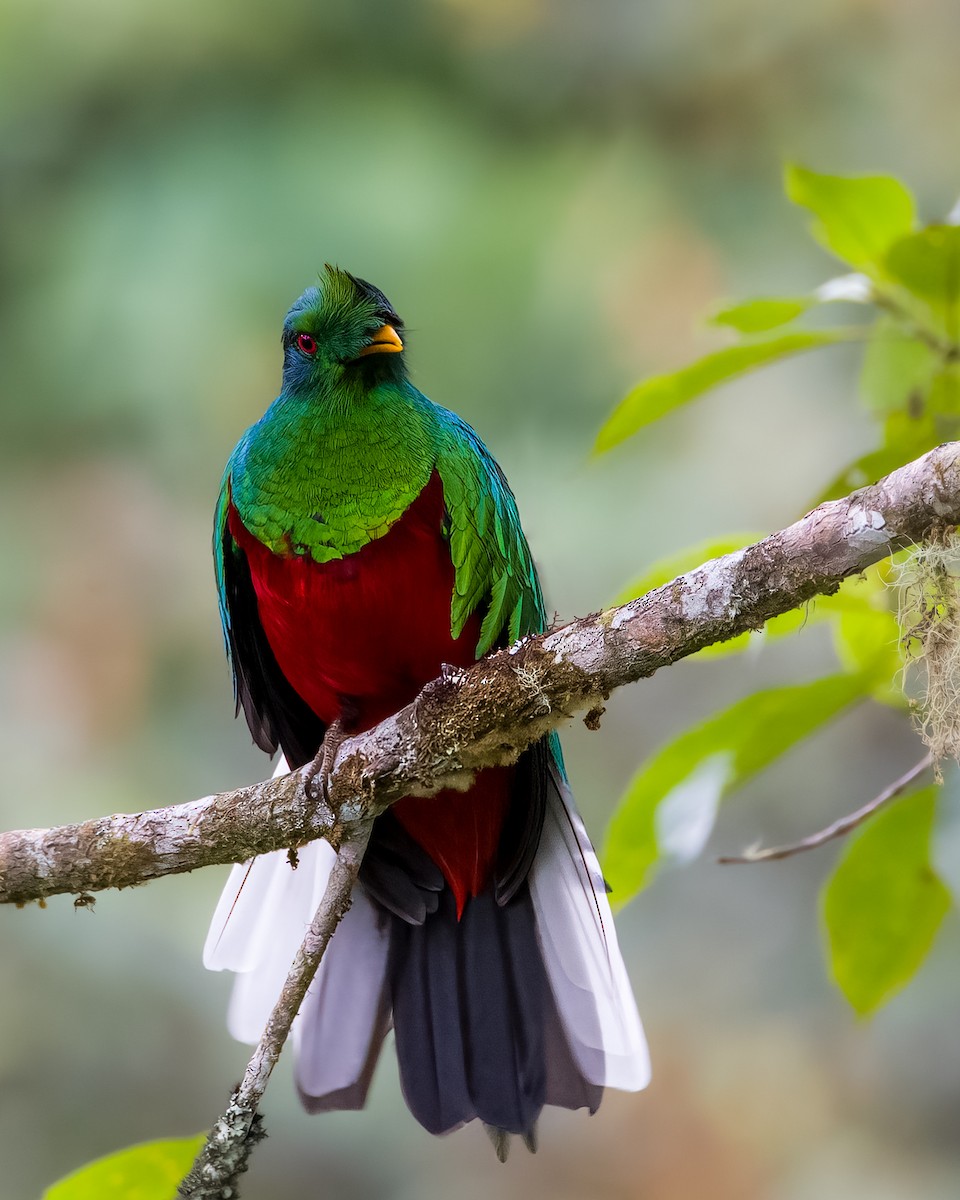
x=840 y=827
x=468 y=719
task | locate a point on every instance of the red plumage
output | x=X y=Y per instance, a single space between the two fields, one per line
x=358 y=637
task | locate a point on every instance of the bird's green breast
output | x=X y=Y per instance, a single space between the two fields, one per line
x=324 y=478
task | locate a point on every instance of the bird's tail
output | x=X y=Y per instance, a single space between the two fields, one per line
x=476 y=1026
x=575 y=930
x=258 y=926
x=512 y=1007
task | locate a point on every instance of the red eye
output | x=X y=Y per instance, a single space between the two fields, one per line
x=306 y=343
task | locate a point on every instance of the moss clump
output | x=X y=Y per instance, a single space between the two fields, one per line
x=930 y=620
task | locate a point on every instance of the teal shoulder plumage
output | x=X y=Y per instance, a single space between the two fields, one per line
x=491 y=558
x=219 y=552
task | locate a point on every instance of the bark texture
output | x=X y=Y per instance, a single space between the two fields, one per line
x=486 y=715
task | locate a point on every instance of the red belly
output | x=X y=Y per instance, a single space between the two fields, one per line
x=358 y=637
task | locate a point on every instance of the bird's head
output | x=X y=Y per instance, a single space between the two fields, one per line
x=341 y=330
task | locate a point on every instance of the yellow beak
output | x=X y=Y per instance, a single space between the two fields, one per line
x=385 y=341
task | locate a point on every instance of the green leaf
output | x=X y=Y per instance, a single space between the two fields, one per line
x=905 y=438
x=944 y=401
x=665 y=569
x=884 y=903
x=150 y=1171
x=858 y=218
x=763 y=313
x=712 y=759
x=866 y=596
x=868 y=643
x=661 y=394
x=867 y=633
x=897 y=369
x=927 y=263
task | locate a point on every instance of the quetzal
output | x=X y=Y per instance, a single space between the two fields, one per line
x=364 y=537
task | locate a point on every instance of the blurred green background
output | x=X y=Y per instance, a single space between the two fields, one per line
x=551 y=193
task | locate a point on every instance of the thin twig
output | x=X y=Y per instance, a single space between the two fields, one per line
x=225 y=1154
x=838 y=828
x=912 y=328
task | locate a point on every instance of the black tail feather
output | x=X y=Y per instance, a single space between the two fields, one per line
x=423 y=977
x=398 y=873
x=503 y=1000
x=477 y=1031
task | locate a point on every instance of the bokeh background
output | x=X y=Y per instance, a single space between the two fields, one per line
x=551 y=193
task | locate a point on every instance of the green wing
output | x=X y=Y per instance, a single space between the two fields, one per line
x=491 y=558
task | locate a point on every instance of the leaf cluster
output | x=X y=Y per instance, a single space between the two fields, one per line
x=885 y=900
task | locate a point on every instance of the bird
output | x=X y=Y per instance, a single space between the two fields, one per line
x=365 y=541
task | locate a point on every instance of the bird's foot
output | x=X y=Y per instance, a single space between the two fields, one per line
x=317 y=786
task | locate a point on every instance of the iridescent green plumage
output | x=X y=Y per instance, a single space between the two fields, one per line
x=490 y=554
x=332 y=465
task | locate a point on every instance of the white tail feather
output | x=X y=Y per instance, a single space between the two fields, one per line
x=267 y=906
x=275 y=933
x=344 y=1016
x=257 y=928
x=266 y=900
x=580 y=949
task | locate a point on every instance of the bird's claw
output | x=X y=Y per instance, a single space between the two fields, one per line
x=317 y=785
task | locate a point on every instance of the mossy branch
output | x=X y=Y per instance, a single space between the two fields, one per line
x=468 y=719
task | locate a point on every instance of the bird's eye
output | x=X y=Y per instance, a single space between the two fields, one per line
x=306 y=343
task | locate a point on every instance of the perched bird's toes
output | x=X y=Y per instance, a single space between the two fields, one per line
x=317 y=786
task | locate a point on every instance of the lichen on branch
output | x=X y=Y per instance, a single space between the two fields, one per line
x=488 y=714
